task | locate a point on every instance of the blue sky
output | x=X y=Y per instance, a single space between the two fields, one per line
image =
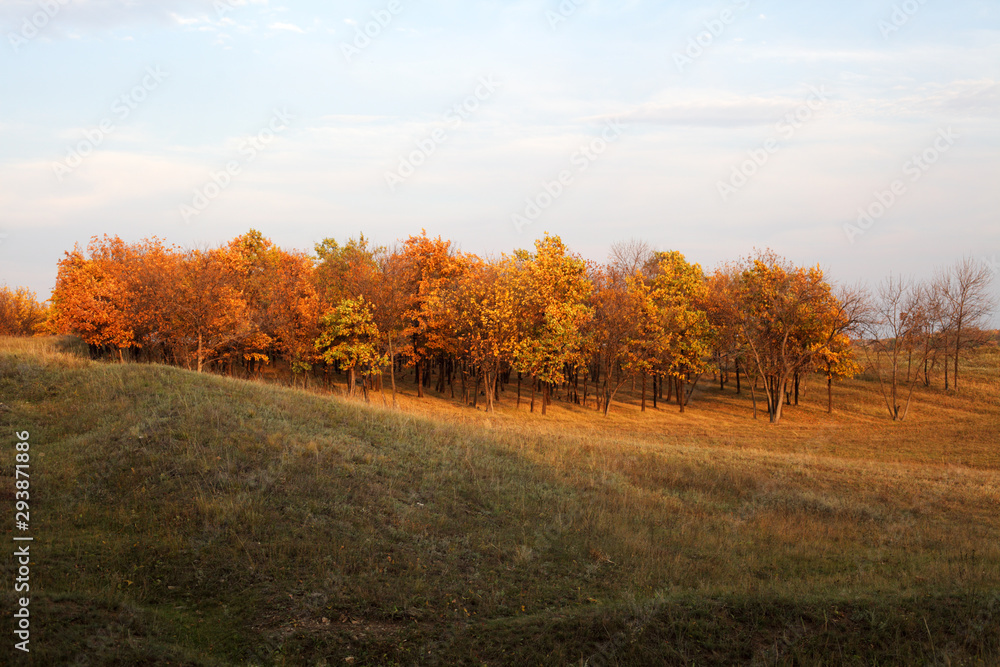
x=709 y=128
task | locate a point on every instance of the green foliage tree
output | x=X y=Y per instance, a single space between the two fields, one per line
x=349 y=338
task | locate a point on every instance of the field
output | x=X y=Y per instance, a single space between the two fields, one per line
x=191 y=519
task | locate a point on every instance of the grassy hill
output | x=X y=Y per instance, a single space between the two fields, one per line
x=190 y=519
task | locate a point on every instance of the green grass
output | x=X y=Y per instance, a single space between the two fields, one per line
x=197 y=520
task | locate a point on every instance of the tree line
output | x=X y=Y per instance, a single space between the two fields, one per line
x=20 y=312
x=533 y=325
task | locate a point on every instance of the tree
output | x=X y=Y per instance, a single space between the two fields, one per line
x=250 y=261
x=554 y=310
x=616 y=325
x=966 y=290
x=896 y=331
x=348 y=271
x=208 y=309
x=20 y=312
x=786 y=314
x=90 y=298
x=430 y=266
x=679 y=295
x=835 y=359
x=350 y=338
x=295 y=309
x=729 y=344
x=484 y=304
x=389 y=301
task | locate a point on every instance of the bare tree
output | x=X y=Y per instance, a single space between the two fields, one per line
x=896 y=345
x=630 y=256
x=969 y=303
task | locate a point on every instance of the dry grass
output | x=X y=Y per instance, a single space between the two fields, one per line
x=204 y=520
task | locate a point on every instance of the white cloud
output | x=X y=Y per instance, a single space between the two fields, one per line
x=712 y=109
x=291 y=27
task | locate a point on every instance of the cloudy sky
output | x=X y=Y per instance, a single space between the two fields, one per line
x=863 y=136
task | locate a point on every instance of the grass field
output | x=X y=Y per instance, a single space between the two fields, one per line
x=191 y=519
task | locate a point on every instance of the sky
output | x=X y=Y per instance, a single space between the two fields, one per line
x=860 y=136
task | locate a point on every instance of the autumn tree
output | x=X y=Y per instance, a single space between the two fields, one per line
x=348 y=270
x=728 y=343
x=208 y=309
x=430 y=267
x=485 y=306
x=554 y=311
x=786 y=314
x=349 y=337
x=295 y=309
x=835 y=359
x=679 y=295
x=20 y=312
x=90 y=298
x=615 y=328
x=389 y=300
x=250 y=262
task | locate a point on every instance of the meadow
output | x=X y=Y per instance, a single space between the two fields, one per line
x=192 y=519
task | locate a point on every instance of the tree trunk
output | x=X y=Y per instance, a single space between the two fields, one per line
x=946 y=371
x=958 y=344
x=545 y=396
x=781 y=387
x=199 y=352
x=737 y=375
x=489 y=390
x=420 y=385
x=829 y=393
x=392 y=373
x=656 y=380
x=680 y=392
x=533 y=383
x=643 y=391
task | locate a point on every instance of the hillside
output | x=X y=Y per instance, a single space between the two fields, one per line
x=200 y=520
